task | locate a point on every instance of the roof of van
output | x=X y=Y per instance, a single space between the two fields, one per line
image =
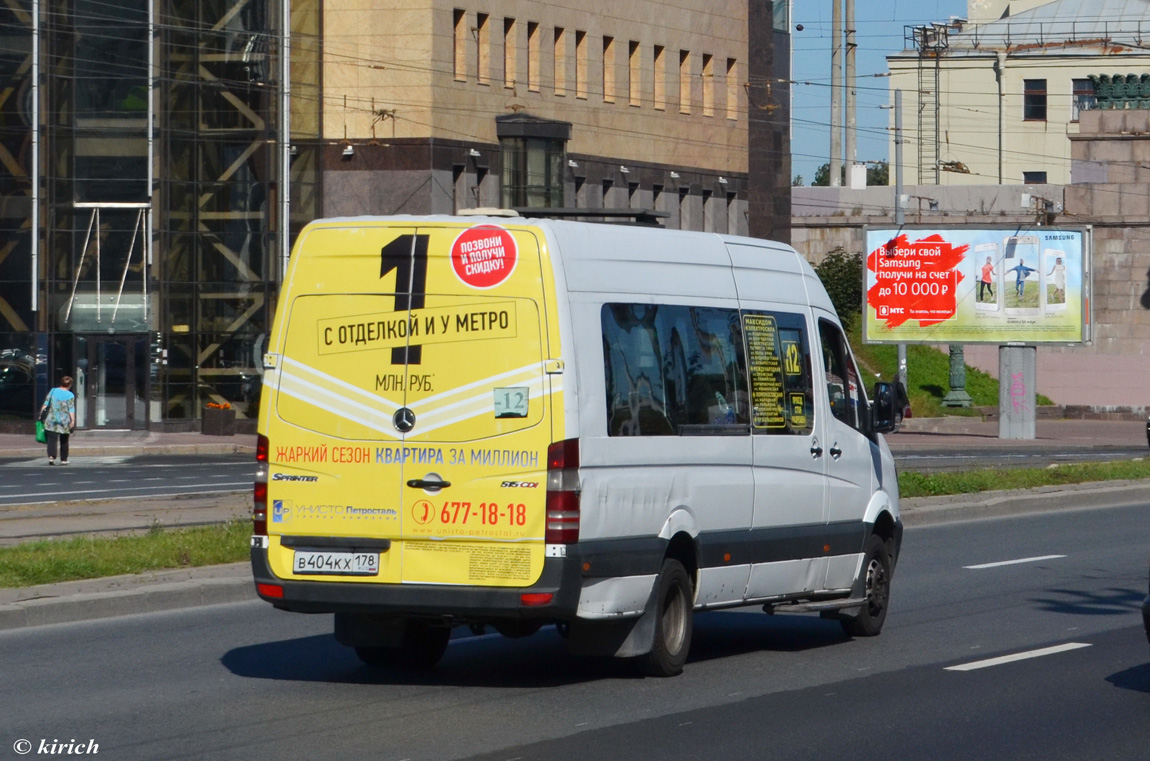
x=599 y=257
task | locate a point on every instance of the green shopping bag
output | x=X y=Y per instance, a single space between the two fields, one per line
x=40 y=432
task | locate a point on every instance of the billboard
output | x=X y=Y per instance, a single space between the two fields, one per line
x=976 y=285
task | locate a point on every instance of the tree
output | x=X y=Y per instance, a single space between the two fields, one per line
x=797 y=182
x=822 y=176
x=842 y=276
x=877 y=173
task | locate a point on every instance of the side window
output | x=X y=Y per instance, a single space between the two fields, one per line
x=779 y=360
x=673 y=370
x=844 y=388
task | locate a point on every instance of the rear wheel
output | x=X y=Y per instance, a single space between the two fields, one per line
x=877 y=568
x=673 y=621
x=422 y=647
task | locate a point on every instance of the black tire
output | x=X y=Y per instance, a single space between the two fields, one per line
x=674 y=621
x=423 y=646
x=877 y=573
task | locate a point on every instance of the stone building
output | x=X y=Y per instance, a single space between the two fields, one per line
x=992 y=98
x=158 y=156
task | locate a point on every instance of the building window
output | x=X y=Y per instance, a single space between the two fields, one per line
x=534 y=154
x=1034 y=100
x=510 y=60
x=634 y=74
x=533 y=56
x=732 y=89
x=483 y=48
x=580 y=64
x=459 y=60
x=458 y=188
x=1034 y=178
x=708 y=85
x=780 y=12
x=684 y=81
x=532 y=172
x=608 y=69
x=1083 y=98
x=560 y=61
x=660 y=78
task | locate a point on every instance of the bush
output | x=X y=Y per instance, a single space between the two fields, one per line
x=842 y=276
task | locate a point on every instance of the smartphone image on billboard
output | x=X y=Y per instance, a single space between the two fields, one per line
x=1054 y=280
x=1021 y=282
x=988 y=289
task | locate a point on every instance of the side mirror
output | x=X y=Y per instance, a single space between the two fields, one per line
x=883 y=408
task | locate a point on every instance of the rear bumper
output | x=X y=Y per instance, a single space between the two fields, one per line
x=560 y=578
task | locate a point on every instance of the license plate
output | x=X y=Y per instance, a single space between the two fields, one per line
x=336 y=563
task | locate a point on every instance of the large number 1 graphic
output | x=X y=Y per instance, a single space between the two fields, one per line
x=407 y=255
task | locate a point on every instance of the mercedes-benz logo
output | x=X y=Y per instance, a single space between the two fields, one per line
x=404 y=420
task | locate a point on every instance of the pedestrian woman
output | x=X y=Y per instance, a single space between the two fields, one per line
x=59 y=414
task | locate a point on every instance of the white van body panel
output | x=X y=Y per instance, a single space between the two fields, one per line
x=720 y=587
x=753 y=514
x=615 y=598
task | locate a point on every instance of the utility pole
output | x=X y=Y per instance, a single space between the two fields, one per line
x=899 y=215
x=851 y=155
x=836 y=162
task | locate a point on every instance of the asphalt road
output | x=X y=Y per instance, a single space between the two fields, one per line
x=244 y=681
x=24 y=482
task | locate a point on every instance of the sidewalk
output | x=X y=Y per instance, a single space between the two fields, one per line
x=128 y=444
x=180 y=588
x=975 y=433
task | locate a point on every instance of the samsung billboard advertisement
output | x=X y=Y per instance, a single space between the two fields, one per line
x=969 y=285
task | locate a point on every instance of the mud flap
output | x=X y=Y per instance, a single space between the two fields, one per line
x=621 y=638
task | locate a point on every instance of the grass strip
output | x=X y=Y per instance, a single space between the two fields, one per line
x=49 y=562
x=916 y=484
x=52 y=561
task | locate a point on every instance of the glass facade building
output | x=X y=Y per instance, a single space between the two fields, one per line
x=142 y=151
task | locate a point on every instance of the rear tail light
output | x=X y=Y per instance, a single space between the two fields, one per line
x=260 y=492
x=270 y=590
x=563 y=492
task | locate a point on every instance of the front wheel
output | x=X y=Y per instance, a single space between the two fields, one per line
x=674 y=621
x=877 y=569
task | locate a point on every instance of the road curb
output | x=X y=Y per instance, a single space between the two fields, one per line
x=153 y=592
x=926 y=511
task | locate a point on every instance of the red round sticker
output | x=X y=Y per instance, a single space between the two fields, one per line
x=483 y=257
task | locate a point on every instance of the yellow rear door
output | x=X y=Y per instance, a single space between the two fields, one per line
x=422 y=372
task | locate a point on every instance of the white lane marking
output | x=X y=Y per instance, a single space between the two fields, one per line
x=1018 y=657
x=1012 y=562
